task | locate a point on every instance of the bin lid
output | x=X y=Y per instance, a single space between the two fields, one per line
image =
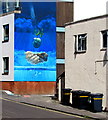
x=80 y=92
x=67 y=90
x=76 y=91
x=84 y=93
x=96 y=95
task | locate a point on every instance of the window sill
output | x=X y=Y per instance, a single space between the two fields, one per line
x=5 y=41
x=103 y=49
x=80 y=52
x=5 y=73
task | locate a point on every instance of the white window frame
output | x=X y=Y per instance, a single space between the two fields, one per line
x=3 y=40
x=5 y=68
x=77 y=43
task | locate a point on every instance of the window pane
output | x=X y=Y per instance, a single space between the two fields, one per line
x=79 y=44
x=6 y=32
x=82 y=42
x=104 y=39
x=6 y=65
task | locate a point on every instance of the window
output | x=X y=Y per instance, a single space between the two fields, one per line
x=104 y=39
x=8 y=6
x=5 y=65
x=81 y=43
x=17 y=5
x=6 y=33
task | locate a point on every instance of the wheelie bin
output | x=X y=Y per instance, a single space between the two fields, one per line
x=96 y=102
x=75 y=97
x=66 y=96
x=83 y=99
x=80 y=99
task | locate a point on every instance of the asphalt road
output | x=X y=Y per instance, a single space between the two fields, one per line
x=20 y=111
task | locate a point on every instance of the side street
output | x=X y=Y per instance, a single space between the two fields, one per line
x=54 y=59
x=47 y=102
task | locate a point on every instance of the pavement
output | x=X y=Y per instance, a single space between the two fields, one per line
x=46 y=101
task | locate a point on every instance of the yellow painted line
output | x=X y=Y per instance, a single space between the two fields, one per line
x=66 y=93
x=97 y=98
x=42 y=108
x=83 y=96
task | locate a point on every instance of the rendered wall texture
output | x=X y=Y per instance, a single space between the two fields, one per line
x=82 y=70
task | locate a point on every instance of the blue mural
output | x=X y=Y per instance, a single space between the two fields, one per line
x=35 y=42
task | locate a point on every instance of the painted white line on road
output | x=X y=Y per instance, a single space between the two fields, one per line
x=41 y=108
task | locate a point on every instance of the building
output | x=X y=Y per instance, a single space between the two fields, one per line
x=16 y=81
x=86 y=51
x=64 y=14
x=29 y=47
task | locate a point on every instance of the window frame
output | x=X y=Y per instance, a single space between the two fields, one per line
x=81 y=50
x=102 y=40
x=4 y=32
x=5 y=65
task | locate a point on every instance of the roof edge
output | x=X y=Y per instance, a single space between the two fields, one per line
x=87 y=19
x=65 y=0
x=15 y=11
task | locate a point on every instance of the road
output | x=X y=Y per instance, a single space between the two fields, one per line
x=11 y=109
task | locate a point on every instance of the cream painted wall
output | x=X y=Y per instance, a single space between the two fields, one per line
x=80 y=69
x=89 y=8
x=8 y=47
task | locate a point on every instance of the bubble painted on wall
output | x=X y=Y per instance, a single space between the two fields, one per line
x=35 y=42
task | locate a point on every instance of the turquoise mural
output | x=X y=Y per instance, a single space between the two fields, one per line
x=35 y=42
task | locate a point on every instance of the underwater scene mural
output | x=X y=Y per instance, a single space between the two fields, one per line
x=35 y=42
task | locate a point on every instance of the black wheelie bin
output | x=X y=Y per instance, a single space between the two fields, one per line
x=80 y=99
x=66 y=96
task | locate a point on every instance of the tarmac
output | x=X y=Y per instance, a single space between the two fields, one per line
x=46 y=101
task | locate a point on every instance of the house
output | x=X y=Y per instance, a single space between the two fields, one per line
x=86 y=50
x=20 y=72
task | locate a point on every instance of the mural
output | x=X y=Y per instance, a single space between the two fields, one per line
x=35 y=42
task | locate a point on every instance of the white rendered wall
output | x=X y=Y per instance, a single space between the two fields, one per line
x=82 y=72
x=8 y=47
x=89 y=8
